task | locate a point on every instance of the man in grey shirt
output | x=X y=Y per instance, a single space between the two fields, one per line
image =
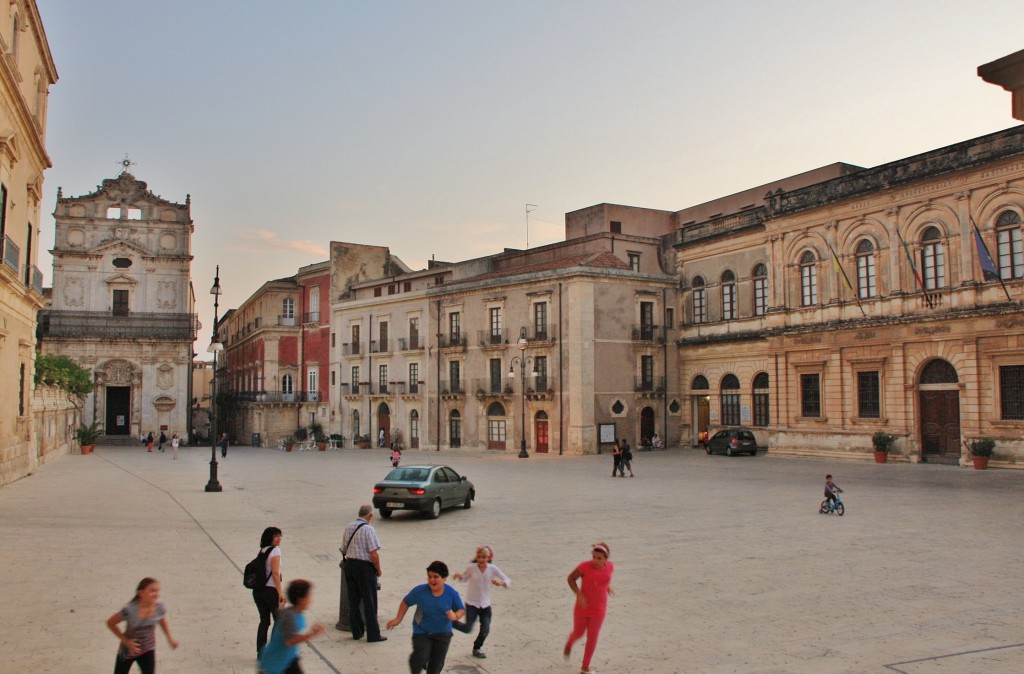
x=359 y=547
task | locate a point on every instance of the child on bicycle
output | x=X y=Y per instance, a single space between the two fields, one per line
x=831 y=489
x=396 y=457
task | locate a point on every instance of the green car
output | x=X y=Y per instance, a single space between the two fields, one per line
x=428 y=489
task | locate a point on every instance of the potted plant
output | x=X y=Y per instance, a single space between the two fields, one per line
x=882 y=443
x=86 y=436
x=301 y=434
x=361 y=441
x=316 y=430
x=288 y=444
x=981 y=450
x=337 y=440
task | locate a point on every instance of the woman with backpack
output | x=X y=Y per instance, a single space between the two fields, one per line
x=269 y=595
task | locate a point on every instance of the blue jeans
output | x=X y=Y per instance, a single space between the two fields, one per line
x=472 y=612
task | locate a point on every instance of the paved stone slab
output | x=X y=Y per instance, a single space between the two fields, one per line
x=722 y=563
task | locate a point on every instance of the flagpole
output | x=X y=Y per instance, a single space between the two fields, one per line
x=991 y=262
x=913 y=268
x=839 y=266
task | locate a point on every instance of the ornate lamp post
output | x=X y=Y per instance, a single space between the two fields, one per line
x=522 y=360
x=215 y=348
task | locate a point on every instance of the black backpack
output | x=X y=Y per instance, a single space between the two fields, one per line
x=257 y=569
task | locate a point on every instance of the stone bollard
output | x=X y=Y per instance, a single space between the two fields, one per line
x=343 y=623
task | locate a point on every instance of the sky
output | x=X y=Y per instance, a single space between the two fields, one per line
x=428 y=125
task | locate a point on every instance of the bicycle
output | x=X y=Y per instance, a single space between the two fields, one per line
x=828 y=507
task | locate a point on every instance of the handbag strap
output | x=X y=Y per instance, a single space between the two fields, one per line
x=361 y=525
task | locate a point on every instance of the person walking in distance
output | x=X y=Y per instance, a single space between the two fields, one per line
x=138 y=640
x=223 y=445
x=480 y=575
x=162 y=440
x=361 y=560
x=269 y=595
x=591 y=601
x=149 y=442
x=175 y=441
x=627 y=459
x=438 y=605
x=617 y=459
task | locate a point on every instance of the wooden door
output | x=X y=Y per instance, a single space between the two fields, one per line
x=541 y=433
x=940 y=422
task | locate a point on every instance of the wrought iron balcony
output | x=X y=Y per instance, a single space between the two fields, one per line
x=287 y=321
x=649 y=384
x=455 y=339
x=351 y=349
x=311 y=318
x=493 y=337
x=106 y=324
x=646 y=332
x=543 y=333
x=380 y=346
x=37 y=279
x=11 y=254
x=491 y=387
x=410 y=343
x=278 y=396
x=453 y=387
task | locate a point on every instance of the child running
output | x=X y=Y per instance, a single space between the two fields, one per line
x=138 y=640
x=281 y=654
x=481 y=574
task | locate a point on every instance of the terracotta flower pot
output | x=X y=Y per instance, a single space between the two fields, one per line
x=980 y=462
x=87 y=449
x=288 y=448
x=881 y=457
x=322 y=446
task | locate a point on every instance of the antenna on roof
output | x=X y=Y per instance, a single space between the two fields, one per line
x=528 y=222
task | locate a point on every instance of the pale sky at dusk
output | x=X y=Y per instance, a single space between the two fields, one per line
x=427 y=125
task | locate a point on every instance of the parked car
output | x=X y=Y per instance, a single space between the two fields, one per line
x=731 y=441
x=428 y=489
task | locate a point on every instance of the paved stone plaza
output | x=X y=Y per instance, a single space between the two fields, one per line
x=722 y=564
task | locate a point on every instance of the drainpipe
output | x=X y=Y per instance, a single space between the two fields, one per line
x=437 y=421
x=369 y=372
x=561 y=378
x=664 y=347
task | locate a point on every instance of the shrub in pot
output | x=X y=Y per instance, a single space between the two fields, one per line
x=882 y=443
x=981 y=451
x=86 y=436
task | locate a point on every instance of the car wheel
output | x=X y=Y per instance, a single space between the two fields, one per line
x=469 y=501
x=385 y=513
x=435 y=509
x=753 y=453
x=708 y=449
x=728 y=451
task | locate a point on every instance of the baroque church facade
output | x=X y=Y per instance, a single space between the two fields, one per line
x=123 y=305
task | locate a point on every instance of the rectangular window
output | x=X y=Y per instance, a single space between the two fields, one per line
x=496 y=375
x=120 y=302
x=407 y=286
x=414 y=377
x=377 y=292
x=332 y=340
x=634 y=261
x=866 y=287
x=355 y=379
x=414 y=333
x=540 y=366
x=728 y=301
x=762 y=415
x=311 y=381
x=382 y=329
x=647 y=373
x=730 y=408
x=454 y=376
x=670 y=318
x=495 y=319
x=810 y=395
x=616 y=227
x=332 y=378
x=1011 y=392
x=808 y=285
x=382 y=378
x=391 y=289
x=540 y=320
x=454 y=329
x=1011 y=253
x=869 y=401
x=700 y=306
x=760 y=296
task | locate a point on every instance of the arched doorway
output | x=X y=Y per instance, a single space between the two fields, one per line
x=701 y=403
x=454 y=429
x=496 y=428
x=414 y=429
x=384 y=424
x=939 y=410
x=540 y=431
x=646 y=425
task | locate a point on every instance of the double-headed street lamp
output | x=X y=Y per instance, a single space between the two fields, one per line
x=522 y=360
x=215 y=347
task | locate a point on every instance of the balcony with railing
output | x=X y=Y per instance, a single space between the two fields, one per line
x=452 y=340
x=11 y=254
x=649 y=384
x=493 y=337
x=647 y=332
x=278 y=396
x=311 y=318
x=36 y=278
x=286 y=321
x=351 y=349
x=410 y=343
x=106 y=324
x=491 y=387
x=380 y=346
x=414 y=387
x=543 y=333
x=453 y=387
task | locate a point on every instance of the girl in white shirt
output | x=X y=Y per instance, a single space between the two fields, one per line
x=480 y=575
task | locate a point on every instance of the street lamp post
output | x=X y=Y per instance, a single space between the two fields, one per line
x=215 y=348
x=522 y=360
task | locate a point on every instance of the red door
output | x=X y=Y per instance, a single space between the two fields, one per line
x=541 y=433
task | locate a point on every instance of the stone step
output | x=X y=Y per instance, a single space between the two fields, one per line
x=117 y=441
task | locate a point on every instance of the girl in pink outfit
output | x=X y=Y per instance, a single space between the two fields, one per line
x=591 y=601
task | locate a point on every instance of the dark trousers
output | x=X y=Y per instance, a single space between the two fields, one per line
x=429 y=651
x=617 y=465
x=147 y=663
x=267 y=603
x=472 y=612
x=361 y=580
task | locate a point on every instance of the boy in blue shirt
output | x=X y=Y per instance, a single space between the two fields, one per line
x=437 y=606
x=281 y=654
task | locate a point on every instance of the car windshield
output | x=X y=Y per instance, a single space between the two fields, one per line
x=407 y=475
x=745 y=435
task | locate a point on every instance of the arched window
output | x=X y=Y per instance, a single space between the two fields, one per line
x=700 y=301
x=866 y=269
x=933 y=260
x=288 y=308
x=808 y=279
x=495 y=426
x=730 y=395
x=454 y=429
x=700 y=383
x=761 y=414
x=414 y=429
x=1010 y=247
x=760 y=275
x=728 y=295
x=939 y=371
x=287 y=384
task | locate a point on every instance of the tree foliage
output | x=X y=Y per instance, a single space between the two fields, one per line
x=64 y=373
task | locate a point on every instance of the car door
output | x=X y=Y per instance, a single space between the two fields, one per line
x=460 y=488
x=442 y=487
x=719 y=440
